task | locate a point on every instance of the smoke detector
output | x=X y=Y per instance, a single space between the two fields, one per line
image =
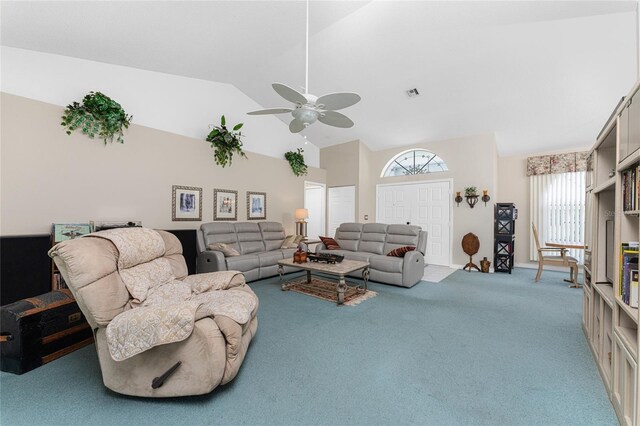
x=412 y=93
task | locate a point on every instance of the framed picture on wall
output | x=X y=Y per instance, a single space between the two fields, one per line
x=69 y=231
x=225 y=203
x=256 y=205
x=187 y=203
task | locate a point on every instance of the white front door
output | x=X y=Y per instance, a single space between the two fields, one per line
x=427 y=205
x=342 y=207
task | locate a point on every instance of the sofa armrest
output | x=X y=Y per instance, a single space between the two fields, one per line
x=200 y=244
x=422 y=242
x=320 y=247
x=210 y=261
x=412 y=268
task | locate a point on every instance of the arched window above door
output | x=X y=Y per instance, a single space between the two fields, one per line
x=414 y=162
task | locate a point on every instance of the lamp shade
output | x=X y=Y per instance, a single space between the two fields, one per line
x=302 y=214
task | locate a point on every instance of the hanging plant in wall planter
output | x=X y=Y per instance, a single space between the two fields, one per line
x=296 y=161
x=226 y=142
x=98 y=115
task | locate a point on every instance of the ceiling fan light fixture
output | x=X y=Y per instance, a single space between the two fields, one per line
x=306 y=115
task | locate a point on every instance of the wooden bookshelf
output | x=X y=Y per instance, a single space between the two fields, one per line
x=613 y=218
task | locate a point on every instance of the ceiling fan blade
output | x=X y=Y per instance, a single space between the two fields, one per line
x=336 y=101
x=289 y=94
x=335 y=119
x=270 y=111
x=296 y=126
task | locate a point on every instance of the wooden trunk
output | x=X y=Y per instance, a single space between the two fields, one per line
x=40 y=329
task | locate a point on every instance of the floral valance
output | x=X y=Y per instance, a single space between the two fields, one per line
x=558 y=163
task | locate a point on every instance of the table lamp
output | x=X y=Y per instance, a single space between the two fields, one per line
x=301 y=224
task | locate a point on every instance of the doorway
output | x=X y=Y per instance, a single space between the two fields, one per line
x=426 y=204
x=342 y=207
x=314 y=202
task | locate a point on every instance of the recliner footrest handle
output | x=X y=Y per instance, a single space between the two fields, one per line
x=159 y=381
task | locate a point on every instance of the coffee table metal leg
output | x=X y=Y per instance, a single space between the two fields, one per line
x=283 y=285
x=342 y=286
x=365 y=277
x=308 y=277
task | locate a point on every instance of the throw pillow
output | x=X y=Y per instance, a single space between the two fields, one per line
x=289 y=242
x=400 y=251
x=297 y=240
x=226 y=249
x=330 y=243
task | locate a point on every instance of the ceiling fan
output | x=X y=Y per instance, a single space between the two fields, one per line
x=307 y=108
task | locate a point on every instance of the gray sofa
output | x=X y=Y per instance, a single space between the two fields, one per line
x=258 y=243
x=372 y=242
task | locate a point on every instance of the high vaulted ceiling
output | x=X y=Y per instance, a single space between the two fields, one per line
x=540 y=75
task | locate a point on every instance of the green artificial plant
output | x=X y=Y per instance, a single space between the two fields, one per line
x=296 y=161
x=99 y=115
x=470 y=191
x=225 y=142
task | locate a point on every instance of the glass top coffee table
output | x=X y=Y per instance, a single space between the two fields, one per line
x=336 y=269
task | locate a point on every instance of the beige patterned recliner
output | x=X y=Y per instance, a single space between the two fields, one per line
x=148 y=315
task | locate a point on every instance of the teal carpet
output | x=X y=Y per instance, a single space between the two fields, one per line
x=474 y=349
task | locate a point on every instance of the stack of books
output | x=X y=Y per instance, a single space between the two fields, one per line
x=631 y=189
x=628 y=291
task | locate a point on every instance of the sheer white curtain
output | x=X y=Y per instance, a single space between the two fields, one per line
x=557 y=210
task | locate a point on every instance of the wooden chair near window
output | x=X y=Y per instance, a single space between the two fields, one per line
x=555 y=256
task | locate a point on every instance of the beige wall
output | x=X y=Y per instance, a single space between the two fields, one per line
x=350 y=164
x=514 y=188
x=49 y=177
x=366 y=209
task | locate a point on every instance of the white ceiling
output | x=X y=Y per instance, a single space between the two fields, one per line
x=541 y=75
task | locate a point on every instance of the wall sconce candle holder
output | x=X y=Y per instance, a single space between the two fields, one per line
x=485 y=196
x=472 y=200
x=458 y=198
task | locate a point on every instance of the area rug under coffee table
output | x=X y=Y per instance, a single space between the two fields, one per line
x=339 y=270
x=326 y=290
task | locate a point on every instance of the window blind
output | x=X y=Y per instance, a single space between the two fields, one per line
x=557 y=210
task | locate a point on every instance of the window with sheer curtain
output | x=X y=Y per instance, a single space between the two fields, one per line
x=558 y=210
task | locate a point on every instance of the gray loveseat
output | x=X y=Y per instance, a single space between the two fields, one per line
x=372 y=242
x=257 y=242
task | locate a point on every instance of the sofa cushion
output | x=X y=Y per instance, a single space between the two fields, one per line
x=216 y=232
x=330 y=243
x=348 y=235
x=373 y=238
x=244 y=262
x=386 y=263
x=226 y=249
x=272 y=235
x=400 y=251
x=249 y=238
x=269 y=258
x=401 y=236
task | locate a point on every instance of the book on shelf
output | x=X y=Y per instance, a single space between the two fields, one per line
x=633 y=293
x=628 y=263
